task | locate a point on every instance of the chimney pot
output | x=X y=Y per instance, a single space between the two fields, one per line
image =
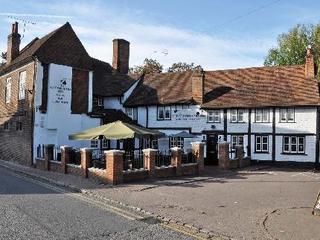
x=121 y=53
x=14 y=28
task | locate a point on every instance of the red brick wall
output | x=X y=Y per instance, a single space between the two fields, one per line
x=16 y=145
x=134 y=176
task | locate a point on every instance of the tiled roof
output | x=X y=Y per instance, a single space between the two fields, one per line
x=162 y=88
x=248 y=87
x=260 y=86
x=61 y=46
x=110 y=84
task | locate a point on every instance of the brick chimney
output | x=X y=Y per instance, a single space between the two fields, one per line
x=13 y=43
x=198 y=86
x=120 y=61
x=310 y=68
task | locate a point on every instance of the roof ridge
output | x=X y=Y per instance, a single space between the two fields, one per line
x=28 y=45
x=261 y=67
x=49 y=35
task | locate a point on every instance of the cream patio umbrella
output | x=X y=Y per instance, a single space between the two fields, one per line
x=115 y=131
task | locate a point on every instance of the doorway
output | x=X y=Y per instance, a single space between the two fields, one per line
x=212 y=150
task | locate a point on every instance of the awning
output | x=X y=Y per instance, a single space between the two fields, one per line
x=115 y=130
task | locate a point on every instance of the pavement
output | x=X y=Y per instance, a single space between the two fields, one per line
x=254 y=203
x=30 y=209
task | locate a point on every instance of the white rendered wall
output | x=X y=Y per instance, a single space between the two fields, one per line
x=58 y=123
x=112 y=103
x=305 y=122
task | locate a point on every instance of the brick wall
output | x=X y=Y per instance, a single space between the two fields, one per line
x=16 y=144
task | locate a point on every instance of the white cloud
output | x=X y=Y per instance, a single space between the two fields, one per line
x=96 y=29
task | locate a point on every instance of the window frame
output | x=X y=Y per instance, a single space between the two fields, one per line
x=94 y=143
x=235 y=115
x=237 y=142
x=132 y=113
x=8 y=90
x=296 y=145
x=164 y=109
x=177 y=142
x=261 y=150
x=105 y=143
x=154 y=144
x=285 y=111
x=100 y=102
x=22 y=90
x=214 y=114
x=262 y=111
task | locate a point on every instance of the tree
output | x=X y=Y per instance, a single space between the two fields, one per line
x=149 y=66
x=182 y=66
x=291 y=49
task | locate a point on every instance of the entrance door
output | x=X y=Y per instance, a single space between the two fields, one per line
x=212 y=149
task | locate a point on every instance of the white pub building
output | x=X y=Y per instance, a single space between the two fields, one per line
x=273 y=112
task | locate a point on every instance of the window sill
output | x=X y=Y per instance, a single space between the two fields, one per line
x=237 y=122
x=164 y=119
x=255 y=152
x=303 y=154
x=287 y=122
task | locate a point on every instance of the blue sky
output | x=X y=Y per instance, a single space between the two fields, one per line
x=215 y=34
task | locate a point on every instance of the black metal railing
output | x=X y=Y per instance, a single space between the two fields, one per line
x=75 y=156
x=133 y=160
x=98 y=159
x=163 y=159
x=188 y=157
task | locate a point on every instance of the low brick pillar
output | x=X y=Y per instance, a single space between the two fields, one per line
x=114 y=166
x=198 y=152
x=224 y=161
x=149 y=157
x=48 y=155
x=65 y=157
x=86 y=156
x=239 y=155
x=176 y=156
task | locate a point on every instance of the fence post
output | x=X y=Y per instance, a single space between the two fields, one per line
x=65 y=157
x=149 y=156
x=239 y=156
x=114 y=166
x=48 y=155
x=176 y=156
x=86 y=156
x=224 y=161
x=198 y=152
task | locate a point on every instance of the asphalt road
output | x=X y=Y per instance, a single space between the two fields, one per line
x=30 y=210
